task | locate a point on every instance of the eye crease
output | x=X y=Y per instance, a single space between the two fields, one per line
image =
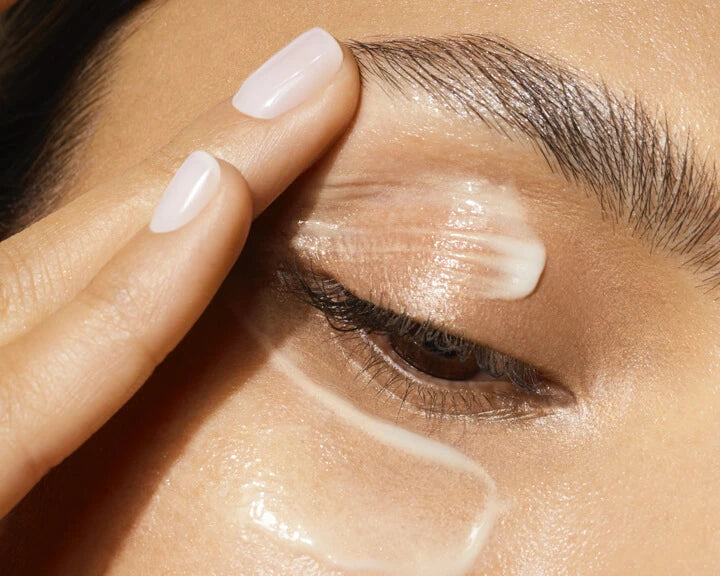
x=423 y=367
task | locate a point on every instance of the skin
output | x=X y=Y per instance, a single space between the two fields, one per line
x=624 y=481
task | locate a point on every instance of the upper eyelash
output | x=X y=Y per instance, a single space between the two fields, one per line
x=346 y=312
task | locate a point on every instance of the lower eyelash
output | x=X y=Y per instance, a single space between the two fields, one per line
x=432 y=400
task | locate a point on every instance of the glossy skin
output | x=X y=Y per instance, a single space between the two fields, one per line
x=623 y=482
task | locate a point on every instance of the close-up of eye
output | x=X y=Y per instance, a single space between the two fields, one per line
x=425 y=368
x=359 y=288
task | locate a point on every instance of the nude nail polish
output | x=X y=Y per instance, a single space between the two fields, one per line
x=291 y=76
x=190 y=190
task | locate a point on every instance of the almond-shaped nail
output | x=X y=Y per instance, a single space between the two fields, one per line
x=291 y=76
x=190 y=190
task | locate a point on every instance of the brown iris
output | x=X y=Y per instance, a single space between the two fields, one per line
x=427 y=358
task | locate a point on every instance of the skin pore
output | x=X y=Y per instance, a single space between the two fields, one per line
x=622 y=479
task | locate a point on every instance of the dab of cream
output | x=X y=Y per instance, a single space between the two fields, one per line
x=488 y=244
x=469 y=237
x=368 y=496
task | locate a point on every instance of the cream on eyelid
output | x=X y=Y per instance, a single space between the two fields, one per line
x=473 y=236
x=367 y=496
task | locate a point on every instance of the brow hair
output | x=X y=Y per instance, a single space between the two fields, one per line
x=609 y=144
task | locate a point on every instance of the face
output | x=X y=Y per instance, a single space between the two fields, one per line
x=438 y=354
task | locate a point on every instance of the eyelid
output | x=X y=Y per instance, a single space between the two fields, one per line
x=347 y=312
x=460 y=231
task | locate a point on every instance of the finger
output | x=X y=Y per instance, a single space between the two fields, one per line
x=64 y=379
x=66 y=376
x=46 y=265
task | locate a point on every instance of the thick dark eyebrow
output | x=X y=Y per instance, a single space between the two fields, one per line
x=609 y=144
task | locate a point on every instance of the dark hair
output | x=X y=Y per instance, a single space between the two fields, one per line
x=45 y=50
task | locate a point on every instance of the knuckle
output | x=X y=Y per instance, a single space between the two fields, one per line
x=164 y=163
x=26 y=283
x=114 y=303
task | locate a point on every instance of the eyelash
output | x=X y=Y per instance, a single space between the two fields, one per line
x=371 y=327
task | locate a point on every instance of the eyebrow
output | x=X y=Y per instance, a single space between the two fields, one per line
x=607 y=143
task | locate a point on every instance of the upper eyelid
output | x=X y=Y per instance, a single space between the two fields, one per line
x=310 y=285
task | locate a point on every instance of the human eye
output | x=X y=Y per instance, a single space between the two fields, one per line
x=424 y=368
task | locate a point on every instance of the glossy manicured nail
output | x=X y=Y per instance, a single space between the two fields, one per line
x=291 y=76
x=192 y=187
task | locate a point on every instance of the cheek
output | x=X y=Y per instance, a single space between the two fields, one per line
x=628 y=489
x=244 y=469
x=275 y=481
x=287 y=472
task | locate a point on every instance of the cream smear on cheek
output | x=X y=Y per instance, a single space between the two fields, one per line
x=365 y=495
x=469 y=237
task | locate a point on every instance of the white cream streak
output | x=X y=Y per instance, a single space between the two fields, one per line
x=473 y=235
x=387 y=551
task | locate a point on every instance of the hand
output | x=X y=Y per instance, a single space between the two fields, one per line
x=92 y=299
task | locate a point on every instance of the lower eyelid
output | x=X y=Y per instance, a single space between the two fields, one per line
x=432 y=397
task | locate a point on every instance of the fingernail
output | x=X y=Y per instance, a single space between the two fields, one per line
x=291 y=76
x=192 y=187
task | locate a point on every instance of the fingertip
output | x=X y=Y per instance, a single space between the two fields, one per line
x=294 y=75
x=271 y=133
x=192 y=187
x=234 y=190
x=301 y=136
x=199 y=180
x=350 y=77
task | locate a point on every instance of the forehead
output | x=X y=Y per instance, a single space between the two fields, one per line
x=178 y=57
